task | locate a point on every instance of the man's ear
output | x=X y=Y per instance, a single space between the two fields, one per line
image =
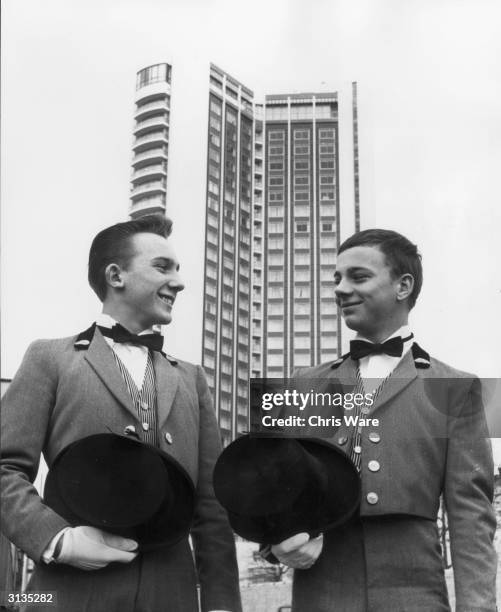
x=405 y=287
x=114 y=276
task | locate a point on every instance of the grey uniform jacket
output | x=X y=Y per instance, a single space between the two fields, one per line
x=61 y=394
x=431 y=440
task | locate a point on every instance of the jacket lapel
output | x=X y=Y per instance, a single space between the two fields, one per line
x=167 y=380
x=100 y=357
x=402 y=376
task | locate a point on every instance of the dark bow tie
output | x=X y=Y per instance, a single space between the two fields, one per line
x=393 y=347
x=118 y=333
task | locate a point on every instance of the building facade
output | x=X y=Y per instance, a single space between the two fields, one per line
x=272 y=221
x=356 y=163
x=272 y=233
x=300 y=324
x=226 y=321
x=151 y=141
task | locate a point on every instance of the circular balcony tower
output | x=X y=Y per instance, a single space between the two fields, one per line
x=150 y=146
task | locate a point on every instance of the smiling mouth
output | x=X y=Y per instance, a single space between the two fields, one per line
x=167 y=299
x=343 y=306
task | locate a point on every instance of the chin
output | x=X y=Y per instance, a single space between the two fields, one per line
x=160 y=319
x=165 y=320
x=352 y=323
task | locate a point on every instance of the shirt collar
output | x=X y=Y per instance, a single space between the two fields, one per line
x=105 y=320
x=404 y=331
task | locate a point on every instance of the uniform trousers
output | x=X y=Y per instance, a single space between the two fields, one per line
x=156 y=581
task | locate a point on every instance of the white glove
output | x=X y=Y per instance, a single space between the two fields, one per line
x=299 y=551
x=89 y=548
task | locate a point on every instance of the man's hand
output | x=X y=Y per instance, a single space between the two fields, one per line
x=299 y=551
x=89 y=548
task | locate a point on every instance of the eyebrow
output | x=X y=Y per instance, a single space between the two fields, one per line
x=166 y=261
x=353 y=270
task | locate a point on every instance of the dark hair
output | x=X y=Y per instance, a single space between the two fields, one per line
x=113 y=245
x=401 y=255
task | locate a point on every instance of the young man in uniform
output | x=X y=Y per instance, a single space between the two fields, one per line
x=431 y=440
x=114 y=377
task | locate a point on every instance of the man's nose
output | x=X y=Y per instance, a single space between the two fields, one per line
x=176 y=282
x=342 y=288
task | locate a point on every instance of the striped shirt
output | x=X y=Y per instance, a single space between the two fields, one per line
x=145 y=399
x=356 y=439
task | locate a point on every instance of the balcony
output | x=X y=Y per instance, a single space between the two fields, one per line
x=148 y=189
x=148 y=206
x=155 y=171
x=150 y=108
x=157 y=154
x=154 y=138
x=158 y=121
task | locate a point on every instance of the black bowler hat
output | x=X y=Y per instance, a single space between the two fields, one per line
x=273 y=488
x=122 y=486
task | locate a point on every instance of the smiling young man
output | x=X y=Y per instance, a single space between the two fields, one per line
x=114 y=377
x=431 y=441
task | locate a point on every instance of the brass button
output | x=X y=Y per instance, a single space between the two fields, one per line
x=342 y=440
x=374 y=437
x=130 y=429
x=144 y=406
x=146 y=426
x=168 y=437
x=357 y=449
x=365 y=411
x=372 y=498
x=374 y=466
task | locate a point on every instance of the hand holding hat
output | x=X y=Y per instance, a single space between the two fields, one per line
x=299 y=551
x=116 y=485
x=89 y=548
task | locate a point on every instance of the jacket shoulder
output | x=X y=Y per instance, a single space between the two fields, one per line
x=50 y=344
x=319 y=371
x=42 y=349
x=186 y=369
x=439 y=369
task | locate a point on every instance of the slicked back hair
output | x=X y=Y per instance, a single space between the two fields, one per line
x=402 y=256
x=114 y=245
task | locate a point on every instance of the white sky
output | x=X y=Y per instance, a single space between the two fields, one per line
x=429 y=74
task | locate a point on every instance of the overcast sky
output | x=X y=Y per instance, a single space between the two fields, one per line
x=429 y=80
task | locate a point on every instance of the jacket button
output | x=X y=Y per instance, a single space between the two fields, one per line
x=357 y=449
x=129 y=430
x=144 y=406
x=374 y=437
x=365 y=411
x=146 y=426
x=342 y=440
x=374 y=466
x=168 y=437
x=372 y=498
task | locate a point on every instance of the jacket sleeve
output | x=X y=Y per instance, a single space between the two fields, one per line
x=213 y=538
x=468 y=493
x=26 y=410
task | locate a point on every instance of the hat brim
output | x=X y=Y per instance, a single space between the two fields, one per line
x=315 y=510
x=151 y=498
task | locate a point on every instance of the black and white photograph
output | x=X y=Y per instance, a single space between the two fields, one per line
x=250 y=305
